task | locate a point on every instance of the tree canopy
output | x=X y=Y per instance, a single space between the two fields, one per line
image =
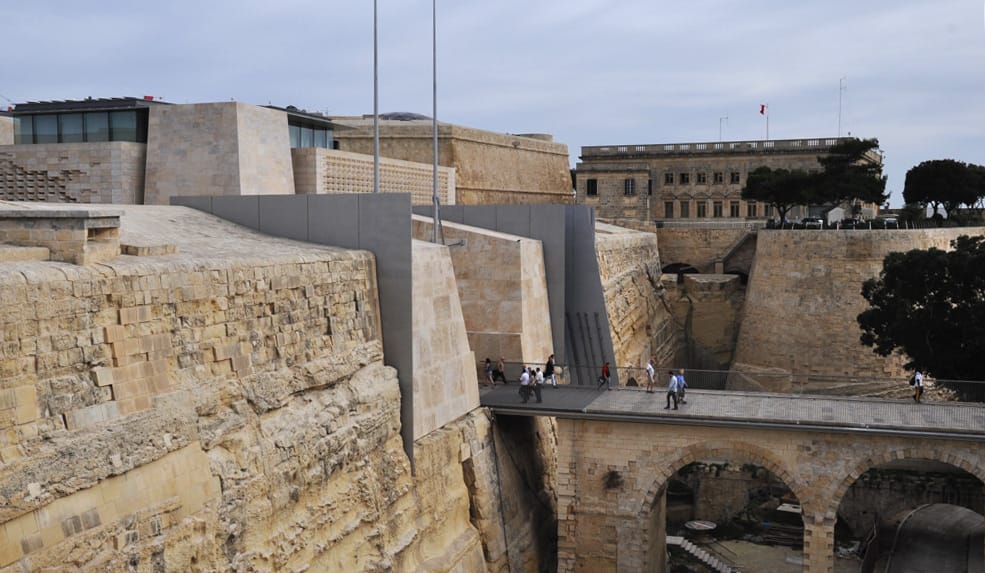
x=930 y=306
x=781 y=188
x=945 y=183
x=849 y=172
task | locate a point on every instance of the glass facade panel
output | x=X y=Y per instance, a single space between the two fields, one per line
x=97 y=126
x=307 y=137
x=70 y=127
x=46 y=129
x=123 y=125
x=321 y=138
x=23 y=130
x=295 y=133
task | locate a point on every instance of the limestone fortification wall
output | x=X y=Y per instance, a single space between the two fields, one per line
x=444 y=367
x=641 y=324
x=491 y=168
x=319 y=171
x=805 y=292
x=503 y=291
x=6 y=130
x=226 y=148
x=226 y=408
x=697 y=246
x=103 y=172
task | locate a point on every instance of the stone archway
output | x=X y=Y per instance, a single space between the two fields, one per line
x=973 y=468
x=651 y=509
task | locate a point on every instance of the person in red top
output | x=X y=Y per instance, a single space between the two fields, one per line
x=605 y=378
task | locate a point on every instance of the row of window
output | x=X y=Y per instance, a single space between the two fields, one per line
x=717 y=209
x=629 y=184
x=126 y=125
x=304 y=136
x=717 y=178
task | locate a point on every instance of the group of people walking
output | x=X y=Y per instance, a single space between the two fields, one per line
x=676 y=387
x=531 y=379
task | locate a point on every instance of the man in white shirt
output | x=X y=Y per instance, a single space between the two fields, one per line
x=917 y=386
x=671 y=390
x=649 y=376
x=525 y=385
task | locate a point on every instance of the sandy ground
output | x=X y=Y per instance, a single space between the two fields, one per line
x=753 y=558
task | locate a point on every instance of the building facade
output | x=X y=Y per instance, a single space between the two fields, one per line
x=688 y=181
x=143 y=151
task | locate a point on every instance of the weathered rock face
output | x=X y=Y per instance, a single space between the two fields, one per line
x=640 y=320
x=220 y=410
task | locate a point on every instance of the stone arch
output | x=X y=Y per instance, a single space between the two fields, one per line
x=735 y=449
x=902 y=453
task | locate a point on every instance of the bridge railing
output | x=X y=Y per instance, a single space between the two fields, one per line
x=776 y=381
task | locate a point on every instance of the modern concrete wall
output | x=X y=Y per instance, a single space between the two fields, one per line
x=103 y=172
x=224 y=149
x=6 y=130
x=444 y=371
x=379 y=223
x=330 y=171
x=579 y=321
x=503 y=291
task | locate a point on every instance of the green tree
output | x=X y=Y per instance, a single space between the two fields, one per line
x=930 y=306
x=850 y=171
x=944 y=183
x=781 y=188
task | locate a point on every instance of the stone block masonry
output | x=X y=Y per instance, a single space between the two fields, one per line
x=75 y=236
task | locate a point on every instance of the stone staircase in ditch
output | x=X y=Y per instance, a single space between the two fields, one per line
x=700 y=554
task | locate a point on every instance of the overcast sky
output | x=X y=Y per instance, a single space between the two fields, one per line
x=590 y=72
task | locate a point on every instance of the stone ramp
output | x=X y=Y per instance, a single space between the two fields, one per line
x=700 y=554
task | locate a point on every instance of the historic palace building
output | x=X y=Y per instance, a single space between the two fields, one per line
x=694 y=181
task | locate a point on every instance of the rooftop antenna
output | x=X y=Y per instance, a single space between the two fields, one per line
x=842 y=86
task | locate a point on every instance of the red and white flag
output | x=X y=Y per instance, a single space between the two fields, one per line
x=762 y=109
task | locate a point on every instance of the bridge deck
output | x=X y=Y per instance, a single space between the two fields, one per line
x=750 y=409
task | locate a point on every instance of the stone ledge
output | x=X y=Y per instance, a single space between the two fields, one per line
x=12 y=253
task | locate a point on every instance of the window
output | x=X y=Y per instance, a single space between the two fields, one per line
x=123 y=126
x=649 y=187
x=768 y=211
x=685 y=209
x=46 y=129
x=702 y=209
x=70 y=127
x=717 y=209
x=702 y=178
x=668 y=178
x=668 y=209
x=750 y=209
x=684 y=178
x=718 y=177
x=23 y=130
x=629 y=187
x=733 y=209
x=592 y=187
x=97 y=126
x=309 y=136
x=733 y=177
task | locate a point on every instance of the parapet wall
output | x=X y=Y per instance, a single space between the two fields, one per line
x=330 y=171
x=103 y=172
x=804 y=295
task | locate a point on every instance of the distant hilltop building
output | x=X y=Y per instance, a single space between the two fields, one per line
x=690 y=181
x=144 y=151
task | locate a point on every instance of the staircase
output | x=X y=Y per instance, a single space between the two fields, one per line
x=700 y=554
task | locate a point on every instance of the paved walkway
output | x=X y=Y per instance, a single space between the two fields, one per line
x=711 y=407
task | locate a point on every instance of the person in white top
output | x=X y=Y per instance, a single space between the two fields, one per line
x=649 y=376
x=538 y=382
x=671 y=390
x=525 y=385
x=917 y=386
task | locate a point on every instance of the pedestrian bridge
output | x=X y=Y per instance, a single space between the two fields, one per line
x=618 y=449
